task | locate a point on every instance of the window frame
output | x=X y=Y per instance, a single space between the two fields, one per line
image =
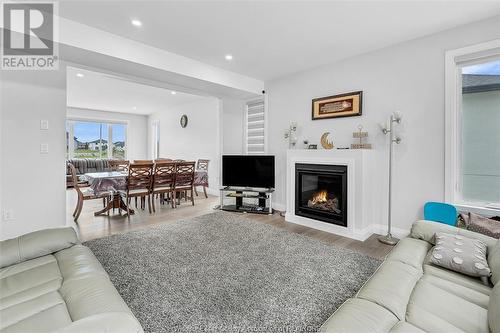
x=70 y=123
x=454 y=61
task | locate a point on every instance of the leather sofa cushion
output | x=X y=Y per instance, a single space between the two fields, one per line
x=425 y=230
x=436 y=310
x=77 y=262
x=41 y=314
x=360 y=316
x=91 y=295
x=404 y=327
x=494 y=310
x=391 y=287
x=103 y=323
x=28 y=280
x=410 y=251
x=494 y=262
x=470 y=294
x=36 y=244
x=455 y=277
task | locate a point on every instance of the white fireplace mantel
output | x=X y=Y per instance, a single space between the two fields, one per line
x=365 y=190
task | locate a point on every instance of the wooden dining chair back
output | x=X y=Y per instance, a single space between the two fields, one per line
x=139 y=182
x=163 y=181
x=184 y=179
x=201 y=177
x=162 y=159
x=119 y=165
x=202 y=165
x=179 y=161
x=83 y=194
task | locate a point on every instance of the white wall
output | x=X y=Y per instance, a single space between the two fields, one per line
x=232 y=120
x=408 y=77
x=200 y=139
x=137 y=128
x=33 y=184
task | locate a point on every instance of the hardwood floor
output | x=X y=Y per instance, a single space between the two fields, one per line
x=91 y=227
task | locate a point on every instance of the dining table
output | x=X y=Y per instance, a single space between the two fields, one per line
x=111 y=182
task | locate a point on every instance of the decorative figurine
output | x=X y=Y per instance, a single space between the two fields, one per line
x=360 y=135
x=324 y=141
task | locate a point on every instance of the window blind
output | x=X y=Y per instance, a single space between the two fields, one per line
x=255 y=127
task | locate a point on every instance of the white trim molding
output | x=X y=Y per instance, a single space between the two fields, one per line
x=454 y=60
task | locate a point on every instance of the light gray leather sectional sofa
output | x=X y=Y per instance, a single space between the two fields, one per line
x=51 y=283
x=408 y=294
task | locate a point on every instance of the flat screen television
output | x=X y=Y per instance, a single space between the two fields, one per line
x=248 y=171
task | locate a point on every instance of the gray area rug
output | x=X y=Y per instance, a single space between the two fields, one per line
x=225 y=273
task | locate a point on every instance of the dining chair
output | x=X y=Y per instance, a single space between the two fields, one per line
x=164 y=159
x=119 y=165
x=202 y=166
x=139 y=181
x=163 y=182
x=178 y=161
x=83 y=194
x=184 y=179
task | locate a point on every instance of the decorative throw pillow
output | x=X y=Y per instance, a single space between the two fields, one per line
x=460 y=254
x=482 y=225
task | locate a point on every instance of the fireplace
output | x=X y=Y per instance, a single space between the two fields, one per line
x=321 y=192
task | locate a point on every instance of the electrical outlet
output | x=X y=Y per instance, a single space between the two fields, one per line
x=44 y=124
x=7 y=215
x=44 y=148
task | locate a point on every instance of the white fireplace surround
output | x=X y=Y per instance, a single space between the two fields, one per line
x=365 y=190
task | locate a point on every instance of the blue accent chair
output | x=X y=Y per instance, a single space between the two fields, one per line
x=440 y=212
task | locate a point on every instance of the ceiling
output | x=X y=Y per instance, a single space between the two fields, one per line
x=272 y=39
x=99 y=91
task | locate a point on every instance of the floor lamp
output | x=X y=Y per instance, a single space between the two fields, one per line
x=389 y=129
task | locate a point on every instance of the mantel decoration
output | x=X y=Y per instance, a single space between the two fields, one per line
x=360 y=135
x=325 y=143
x=184 y=121
x=388 y=129
x=290 y=135
x=344 y=105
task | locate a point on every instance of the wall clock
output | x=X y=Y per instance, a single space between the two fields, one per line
x=184 y=121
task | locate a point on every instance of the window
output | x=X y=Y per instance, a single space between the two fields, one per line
x=473 y=128
x=93 y=139
x=255 y=127
x=480 y=171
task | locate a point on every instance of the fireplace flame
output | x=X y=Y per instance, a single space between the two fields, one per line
x=320 y=197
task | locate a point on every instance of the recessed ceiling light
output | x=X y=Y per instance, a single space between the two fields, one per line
x=80 y=75
x=228 y=57
x=137 y=23
x=173 y=92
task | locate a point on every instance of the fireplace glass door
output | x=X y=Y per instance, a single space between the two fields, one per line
x=321 y=192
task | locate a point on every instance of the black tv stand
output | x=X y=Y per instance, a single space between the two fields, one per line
x=259 y=195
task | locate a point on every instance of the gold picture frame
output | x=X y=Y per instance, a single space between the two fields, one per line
x=337 y=106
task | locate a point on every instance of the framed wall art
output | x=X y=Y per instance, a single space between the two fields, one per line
x=344 y=105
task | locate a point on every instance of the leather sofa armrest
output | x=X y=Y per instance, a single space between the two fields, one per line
x=425 y=230
x=36 y=244
x=111 y=322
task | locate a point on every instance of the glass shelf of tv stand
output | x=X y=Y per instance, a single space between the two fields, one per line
x=263 y=195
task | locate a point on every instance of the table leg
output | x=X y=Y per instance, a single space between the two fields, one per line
x=115 y=202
